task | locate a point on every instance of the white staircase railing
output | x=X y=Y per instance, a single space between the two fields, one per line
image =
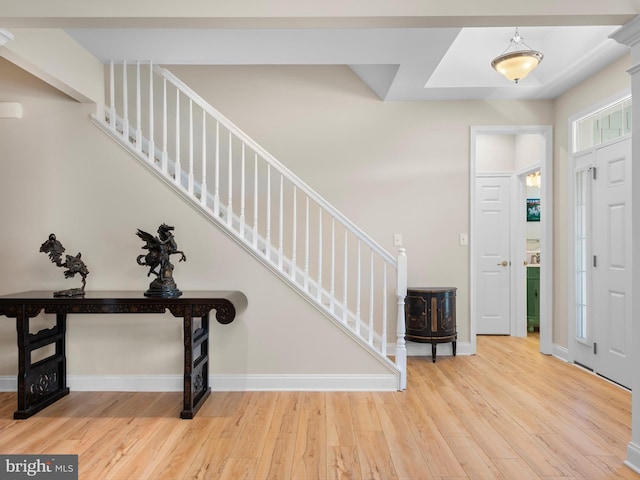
x=260 y=203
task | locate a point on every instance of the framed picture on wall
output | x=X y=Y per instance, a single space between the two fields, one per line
x=533 y=209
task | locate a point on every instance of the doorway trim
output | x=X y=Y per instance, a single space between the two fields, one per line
x=574 y=156
x=546 y=237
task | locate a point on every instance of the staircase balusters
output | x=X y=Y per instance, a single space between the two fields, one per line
x=332 y=288
x=255 y=201
x=230 y=182
x=345 y=290
x=151 y=148
x=267 y=247
x=216 y=196
x=242 y=180
x=165 y=152
x=125 y=103
x=294 y=236
x=203 y=185
x=281 y=224
x=384 y=310
x=371 y=297
x=178 y=168
x=359 y=289
x=190 y=180
x=365 y=289
x=319 y=284
x=306 y=245
x=138 y=110
x=112 y=97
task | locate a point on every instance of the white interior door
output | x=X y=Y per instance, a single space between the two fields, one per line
x=491 y=234
x=612 y=251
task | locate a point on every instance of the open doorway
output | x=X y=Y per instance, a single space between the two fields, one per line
x=501 y=160
x=532 y=253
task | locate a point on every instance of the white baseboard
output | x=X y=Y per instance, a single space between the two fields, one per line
x=223 y=383
x=633 y=457
x=230 y=383
x=8 y=383
x=560 y=352
x=125 y=383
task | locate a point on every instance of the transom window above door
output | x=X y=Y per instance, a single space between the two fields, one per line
x=609 y=123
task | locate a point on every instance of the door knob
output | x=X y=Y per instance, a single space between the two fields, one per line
x=503 y=263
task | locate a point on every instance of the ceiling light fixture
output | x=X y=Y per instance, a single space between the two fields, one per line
x=518 y=60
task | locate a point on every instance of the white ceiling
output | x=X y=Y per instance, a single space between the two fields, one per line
x=397 y=63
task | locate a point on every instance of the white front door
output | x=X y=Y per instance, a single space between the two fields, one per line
x=603 y=260
x=492 y=248
x=612 y=251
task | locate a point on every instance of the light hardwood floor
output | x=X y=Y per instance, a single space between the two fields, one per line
x=506 y=413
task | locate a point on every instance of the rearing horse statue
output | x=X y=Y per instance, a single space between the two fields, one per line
x=160 y=248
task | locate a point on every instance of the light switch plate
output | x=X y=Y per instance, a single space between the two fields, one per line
x=464 y=239
x=397 y=239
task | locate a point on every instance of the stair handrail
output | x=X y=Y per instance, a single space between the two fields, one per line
x=294 y=179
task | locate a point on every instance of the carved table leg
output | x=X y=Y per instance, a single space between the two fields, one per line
x=42 y=383
x=196 y=365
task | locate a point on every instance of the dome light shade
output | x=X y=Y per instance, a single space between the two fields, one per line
x=516 y=63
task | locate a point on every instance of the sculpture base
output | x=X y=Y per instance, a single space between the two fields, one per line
x=163 y=289
x=72 y=292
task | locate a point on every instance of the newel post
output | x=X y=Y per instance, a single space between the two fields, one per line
x=401 y=293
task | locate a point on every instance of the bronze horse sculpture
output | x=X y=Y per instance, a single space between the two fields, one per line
x=160 y=248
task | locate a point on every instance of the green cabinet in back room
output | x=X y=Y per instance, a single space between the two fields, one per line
x=533 y=298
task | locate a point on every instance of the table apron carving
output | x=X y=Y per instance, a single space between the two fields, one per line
x=44 y=382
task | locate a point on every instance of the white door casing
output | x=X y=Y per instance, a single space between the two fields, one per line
x=492 y=237
x=546 y=242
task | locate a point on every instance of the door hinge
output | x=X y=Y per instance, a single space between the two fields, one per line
x=594 y=173
x=595 y=261
x=595 y=348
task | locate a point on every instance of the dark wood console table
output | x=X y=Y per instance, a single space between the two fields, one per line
x=44 y=382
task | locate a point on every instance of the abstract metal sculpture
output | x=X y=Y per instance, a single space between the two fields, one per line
x=72 y=264
x=158 y=260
